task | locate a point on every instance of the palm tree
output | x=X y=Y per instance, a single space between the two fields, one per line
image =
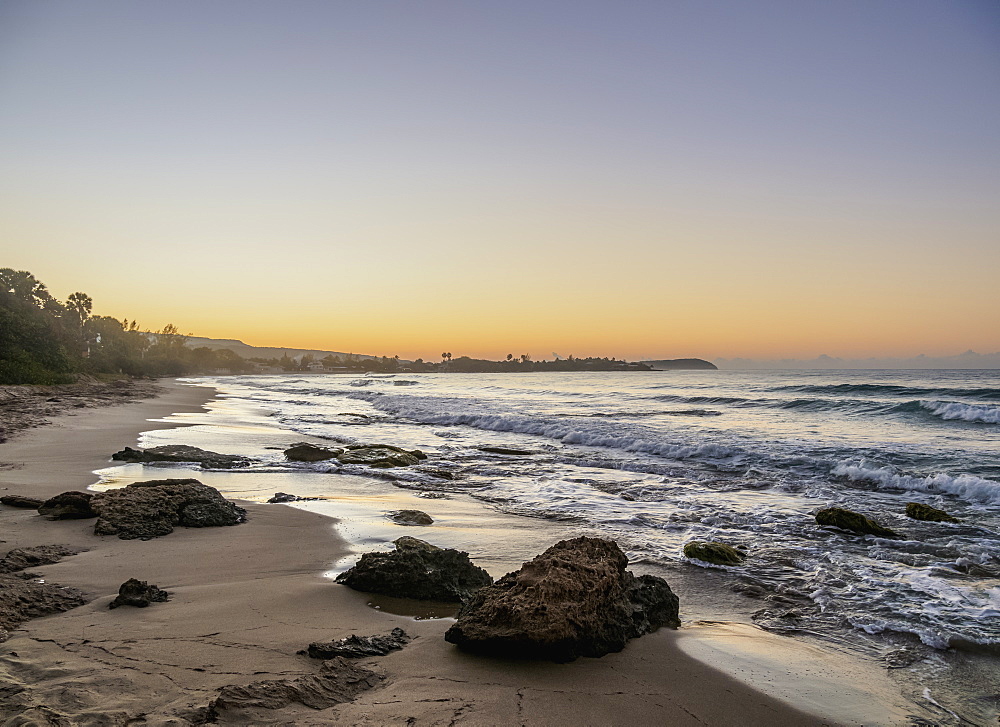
x=80 y=304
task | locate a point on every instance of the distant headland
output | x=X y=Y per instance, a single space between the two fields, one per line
x=679 y=364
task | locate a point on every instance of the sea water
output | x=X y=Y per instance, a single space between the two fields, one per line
x=658 y=459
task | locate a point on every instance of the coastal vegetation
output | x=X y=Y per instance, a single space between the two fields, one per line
x=44 y=340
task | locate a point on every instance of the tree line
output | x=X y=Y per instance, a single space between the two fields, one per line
x=47 y=341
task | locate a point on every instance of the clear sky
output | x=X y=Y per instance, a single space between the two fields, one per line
x=625 y=178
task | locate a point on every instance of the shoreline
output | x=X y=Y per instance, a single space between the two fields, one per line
x=246 y=598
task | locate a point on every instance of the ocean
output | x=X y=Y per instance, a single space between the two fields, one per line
x=657 y=459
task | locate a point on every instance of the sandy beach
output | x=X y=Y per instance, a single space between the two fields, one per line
x=245 y=599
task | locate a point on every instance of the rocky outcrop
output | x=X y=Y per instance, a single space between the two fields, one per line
x=380 y=455
x=855 y=522
x=305 y=452
x=410 y=517
x=920 y=511
x=71 y=505
x=28 y=503
x=182 y=453
x=140 y=594
x=22 y=598
x=359 y=647
x=416 y=569
x=575 y=599
x=714 y=553
x=155 y=507
x=337 y=682
x=19 y=559
x=505 y=450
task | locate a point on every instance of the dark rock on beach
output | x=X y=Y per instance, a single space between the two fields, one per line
x=282 y=497
x=505 y=450
x=337 y=682
x=28 y=503
x=855 y=522
x=411 y=517
x=155 y=507
x=416 y=569
x=304 y=452
x=919 y=511
x=380 y=455
x=71 y=505
x=19 y=559
x=182 y=453
x=359 y=647
x=575 y=599
x=140 y=594
x=714 y=553
x=22 y=598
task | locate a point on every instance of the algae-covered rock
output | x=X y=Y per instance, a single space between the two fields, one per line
x=715 y=553
x=920 y=511
x=855 y=522
x=380 y=455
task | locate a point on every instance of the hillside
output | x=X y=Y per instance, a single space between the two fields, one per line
x=247 y=351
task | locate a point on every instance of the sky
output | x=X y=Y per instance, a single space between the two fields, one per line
x=706 y=178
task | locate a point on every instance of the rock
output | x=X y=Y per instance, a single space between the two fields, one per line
x=416 y=569
x=20 y=558
x=304 y=452
x=380 y=455
x=282 y=497
x=71 y=505
x=359 y=647
x=337 y=682
x=715 y=553
x=919 y=511
x=505 y=450
x=575 y=599
x=140 y=594
x=153 y=508
x=182 y=453
x=855 y=522
x=411 y=517
x=28 y=503
x=22 y=599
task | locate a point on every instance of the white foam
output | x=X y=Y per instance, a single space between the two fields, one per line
x=966 y=487
x=965 y=412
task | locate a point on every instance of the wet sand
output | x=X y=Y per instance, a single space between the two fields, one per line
x=245 y=599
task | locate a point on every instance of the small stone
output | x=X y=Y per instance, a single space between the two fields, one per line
x=140 y=594
x=411 y=517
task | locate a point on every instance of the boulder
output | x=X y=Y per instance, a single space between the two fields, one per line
x=182 y=453
x=71 y=505
x=855 y=522
x=920 y=511
x=337 y=682
x=153 y=508
x=359 y=647
x=416 y=569
x=505 y=450
x=411 y=517
x=20 y=558
x=282 y=497
x=304 y=452
x=28 y=503
x=380 y=455
x=714 y=553
x=575 y=599
x=140 y=594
